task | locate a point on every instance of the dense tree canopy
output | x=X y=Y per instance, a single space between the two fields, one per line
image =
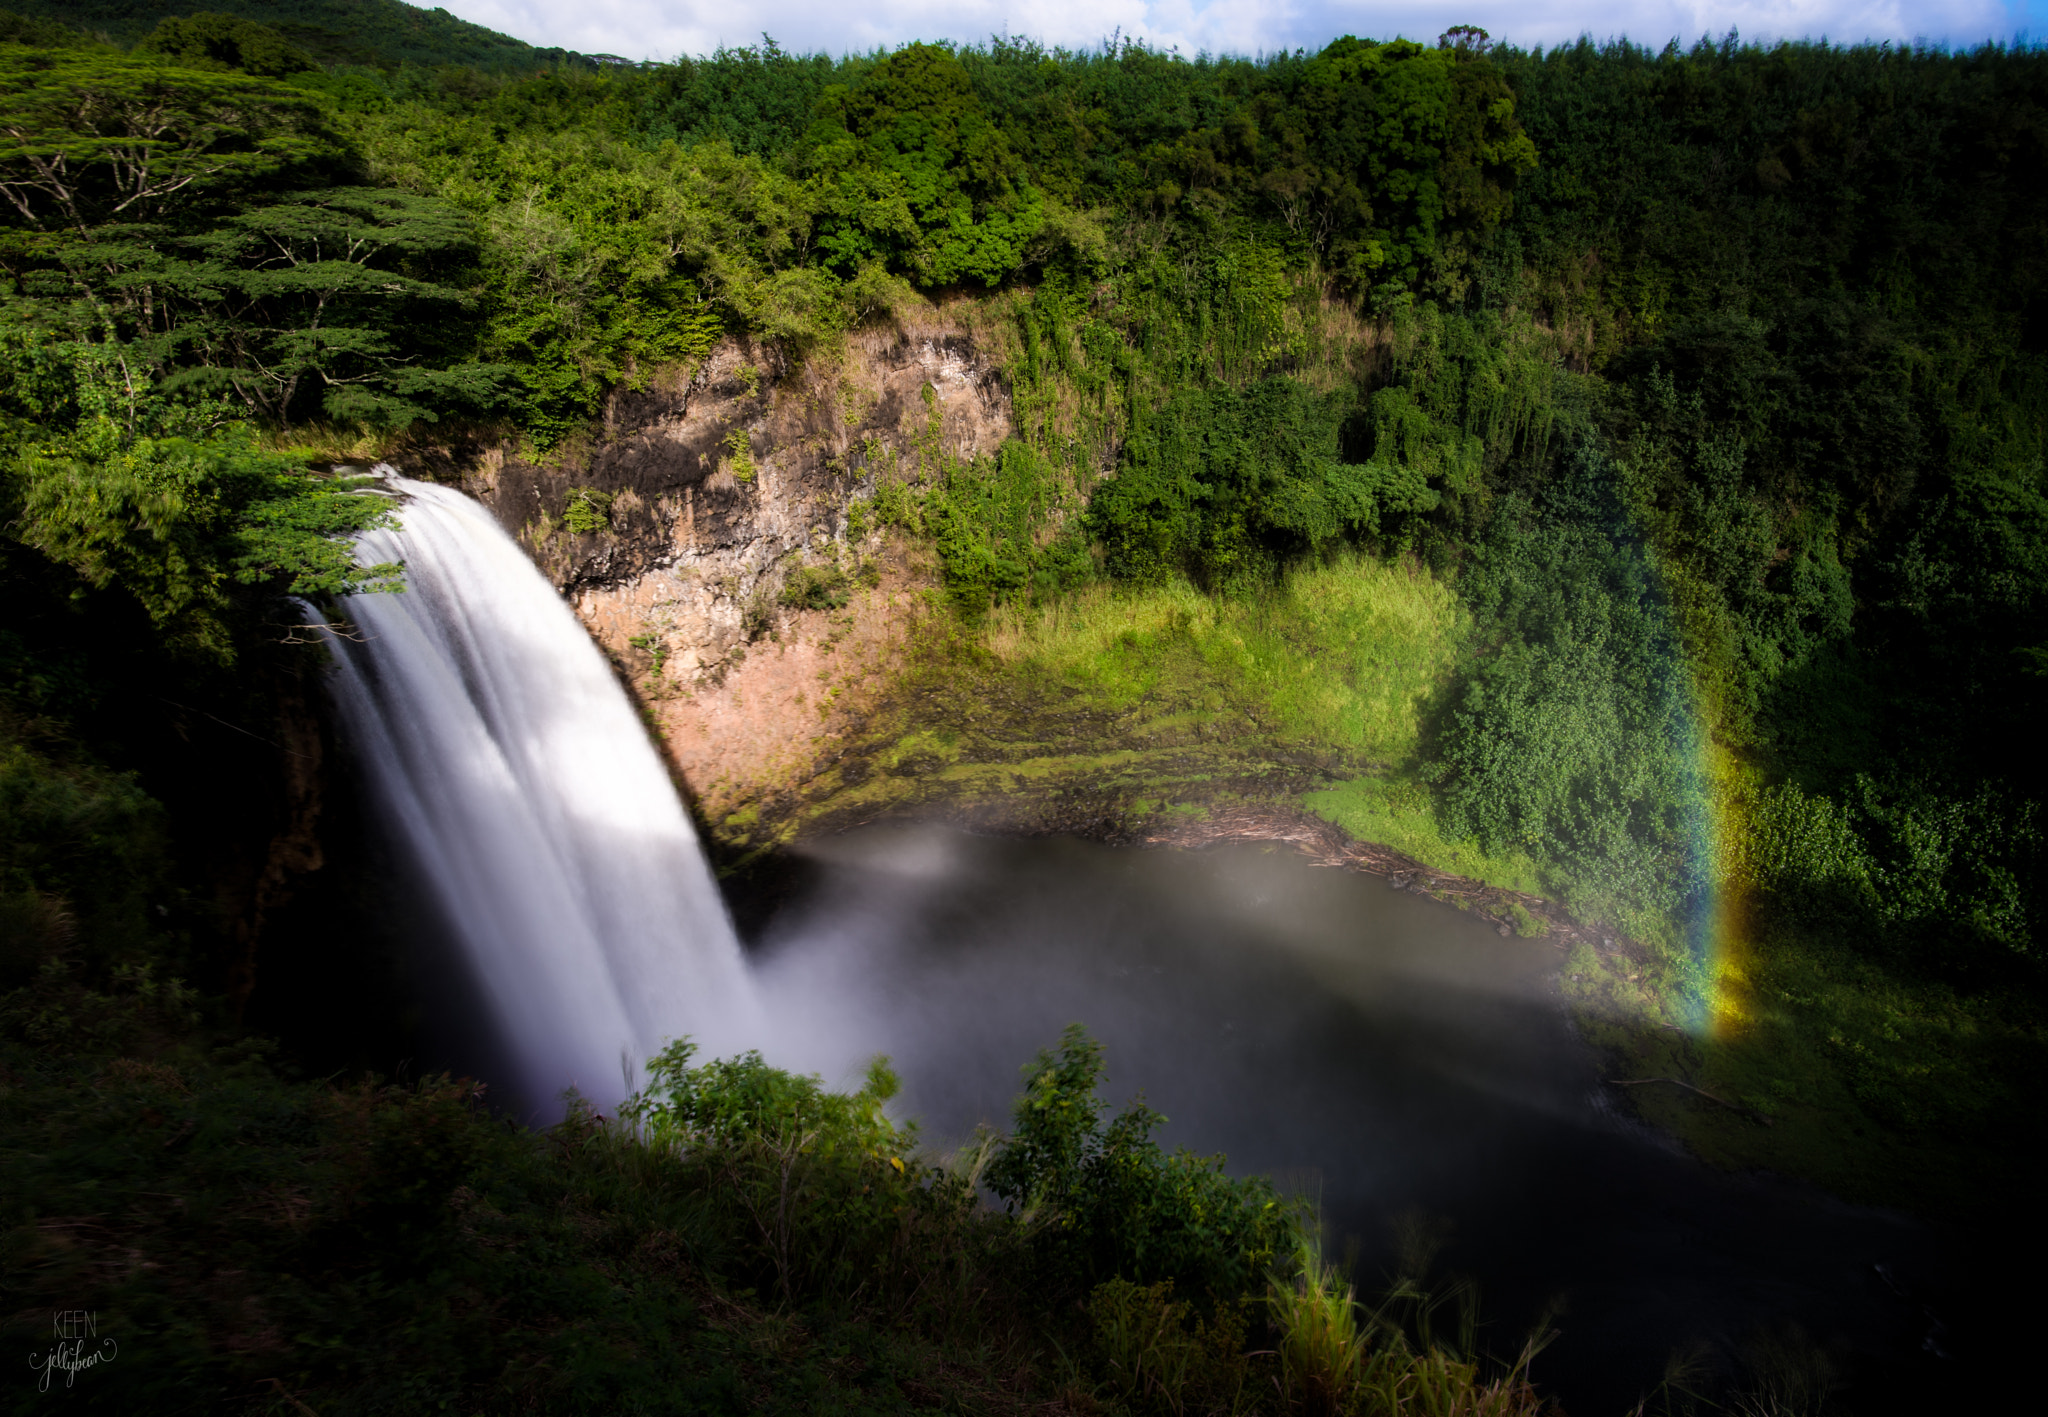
x=215 y=41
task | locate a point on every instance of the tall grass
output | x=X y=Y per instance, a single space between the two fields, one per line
x=1156 y=1355
x=1339 y=1357
x=1326 y=1339
x=1339 y=656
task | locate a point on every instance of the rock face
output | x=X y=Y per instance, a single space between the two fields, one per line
x=719 y=542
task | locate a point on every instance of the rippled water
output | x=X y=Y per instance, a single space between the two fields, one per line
x=1378 y=1050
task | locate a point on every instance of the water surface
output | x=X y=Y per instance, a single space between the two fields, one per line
x=1378 y=1050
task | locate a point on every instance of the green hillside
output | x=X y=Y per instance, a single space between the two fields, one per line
x=384 y=33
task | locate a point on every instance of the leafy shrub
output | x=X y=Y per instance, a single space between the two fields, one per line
x=83 y=852
x=1104 y=1201
x=732 y=1101
x=1005 y=530
x=757 y=615
x=1577 y=738
x=406 y=1152
x=1954 y=872
x=1226 y=486
x=588 y=511
x=740 y=444
x=825 y=1180
x=1932 y=871
x=816 y=588
x=69 y=1009
x=831 y=1185
x=1798 y=841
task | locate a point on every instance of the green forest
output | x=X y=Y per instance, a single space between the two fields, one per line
x=1709 y=383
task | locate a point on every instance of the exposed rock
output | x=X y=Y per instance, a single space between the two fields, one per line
x=707 y=492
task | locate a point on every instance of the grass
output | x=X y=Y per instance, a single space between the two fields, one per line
x=1340 y=1357
x=1341 y=655
x=1864 y=1075
x=1401 y=813
x=1149 y=703
x=327 y=443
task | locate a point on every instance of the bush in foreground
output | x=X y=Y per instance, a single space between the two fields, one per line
x=739 y=1238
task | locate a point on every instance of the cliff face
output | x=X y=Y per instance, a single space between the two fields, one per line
x=718 y=543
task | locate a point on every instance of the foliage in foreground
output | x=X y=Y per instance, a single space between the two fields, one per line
x=738 y=1239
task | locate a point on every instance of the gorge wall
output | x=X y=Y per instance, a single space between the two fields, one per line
x=719 y=542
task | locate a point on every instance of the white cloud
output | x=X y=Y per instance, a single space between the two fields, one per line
x=639 y=30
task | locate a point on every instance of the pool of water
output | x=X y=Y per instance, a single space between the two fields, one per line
x=1376 y=1050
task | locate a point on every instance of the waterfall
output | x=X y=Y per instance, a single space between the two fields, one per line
x=512 y=770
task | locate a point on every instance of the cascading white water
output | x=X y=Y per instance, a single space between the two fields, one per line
x=513 y=770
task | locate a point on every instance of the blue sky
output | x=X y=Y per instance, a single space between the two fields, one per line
x=638 y=29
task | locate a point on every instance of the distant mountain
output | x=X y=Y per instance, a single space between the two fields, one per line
x=382 y=33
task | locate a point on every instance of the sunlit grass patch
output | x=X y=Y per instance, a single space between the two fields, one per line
x=1341 y=655
x=326 y=443
x=1402 y=814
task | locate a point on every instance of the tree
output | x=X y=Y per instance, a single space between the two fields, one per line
x=1404 y=152
x=314 y=294
x=1106 y=1201
x=204 y=534
x=1226 y=485
x=215 y=41
x=88 y=138
x=920 y=175
x=39 y=33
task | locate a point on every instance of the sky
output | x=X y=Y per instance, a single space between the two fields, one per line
x=664 y=29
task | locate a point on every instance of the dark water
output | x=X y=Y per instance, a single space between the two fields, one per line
x=1378 y=1050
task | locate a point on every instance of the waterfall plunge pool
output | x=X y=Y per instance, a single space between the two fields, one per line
x=1379 y=1051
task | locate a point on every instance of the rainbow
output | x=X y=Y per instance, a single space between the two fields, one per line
x=1712 y=997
